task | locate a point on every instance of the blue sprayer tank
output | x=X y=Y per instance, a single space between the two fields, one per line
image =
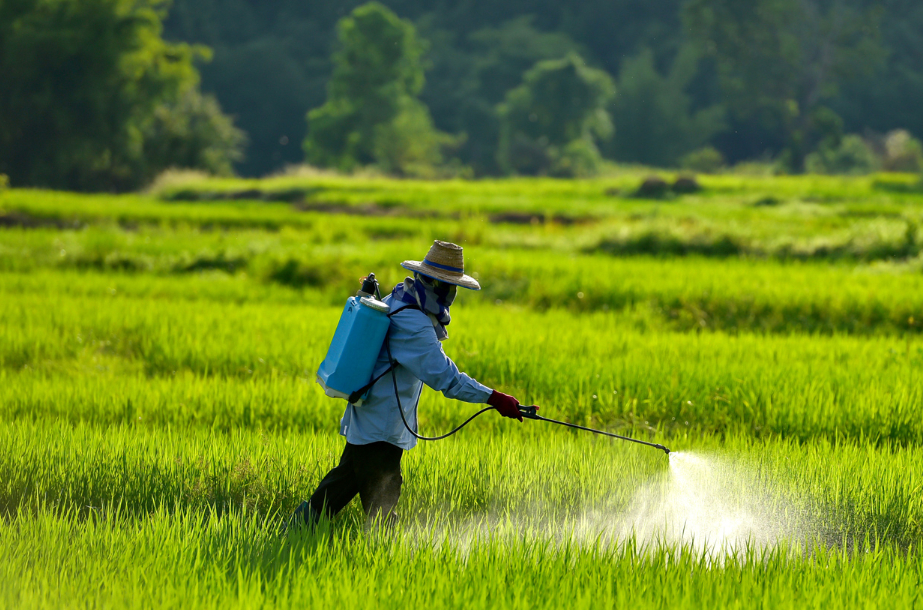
x=355 y=347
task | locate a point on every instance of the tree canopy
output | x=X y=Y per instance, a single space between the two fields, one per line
x=654 y=115
x=551 y=122
x=104 y=94
x=779 y=61
x=88 y=89
x=755 y=59
x=372 y=114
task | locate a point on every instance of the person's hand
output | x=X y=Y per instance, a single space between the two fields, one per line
x=505 y=404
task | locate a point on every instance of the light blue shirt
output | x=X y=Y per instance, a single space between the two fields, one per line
x=415 y=346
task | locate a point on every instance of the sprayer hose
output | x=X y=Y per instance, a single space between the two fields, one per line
x=528 y=412
x=400 y=409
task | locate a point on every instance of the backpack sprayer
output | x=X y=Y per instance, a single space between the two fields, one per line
x=350 y=362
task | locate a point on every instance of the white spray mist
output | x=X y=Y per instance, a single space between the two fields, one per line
x=713 y=505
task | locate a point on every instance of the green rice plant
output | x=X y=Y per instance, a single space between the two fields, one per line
x=110 y=358
x=159 y=418
x=829 y=218
x=172 y=562
x=537 y=477
x=686 y=293
x=128 y=517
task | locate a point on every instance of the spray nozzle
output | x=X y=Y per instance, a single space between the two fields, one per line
x=369 y=286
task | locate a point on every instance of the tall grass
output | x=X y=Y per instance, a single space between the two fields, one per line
x=810 y=219
x=686 y=293
x=110 y=358
x=130 y=517
x=159 y=418
x=532 y=476
x=169 y=561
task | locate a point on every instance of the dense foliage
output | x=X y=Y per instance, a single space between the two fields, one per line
x=654 y=114
x=93 y=98
x=857 y=58
x=372 y=114
x=550 y=123
x=781 y=60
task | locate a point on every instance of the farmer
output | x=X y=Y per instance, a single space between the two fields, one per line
x=376 y=436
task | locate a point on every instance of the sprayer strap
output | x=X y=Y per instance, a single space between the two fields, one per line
x=357 y=395
x=400 y=309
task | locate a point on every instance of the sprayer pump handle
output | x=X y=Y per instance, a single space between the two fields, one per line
x=528 y=412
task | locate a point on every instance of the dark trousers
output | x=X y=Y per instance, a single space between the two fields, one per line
x=373 y=471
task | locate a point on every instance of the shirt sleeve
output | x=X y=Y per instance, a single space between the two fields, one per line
x=416 y=348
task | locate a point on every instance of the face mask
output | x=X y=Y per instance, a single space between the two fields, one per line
x=445 y=292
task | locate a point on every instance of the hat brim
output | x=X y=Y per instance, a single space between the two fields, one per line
x=465 y=281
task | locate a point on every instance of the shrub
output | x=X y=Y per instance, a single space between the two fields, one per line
x=549 y=123
x=852 y=156
x=409 y=145
x=372 y=113
x=191 y=133
x=172 y=180
x=579 y=159
x=685 y=185
x=755 y=168
x=902 y=153
x=653 y=113
x=653 y=187
x=708 y=160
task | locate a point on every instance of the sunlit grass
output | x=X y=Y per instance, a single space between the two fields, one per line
x=130 y=516
x=110 y=358
x=159 y=418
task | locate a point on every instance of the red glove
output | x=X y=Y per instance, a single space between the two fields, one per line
x=505 y=404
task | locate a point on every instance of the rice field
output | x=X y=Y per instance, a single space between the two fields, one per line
x=159 y=418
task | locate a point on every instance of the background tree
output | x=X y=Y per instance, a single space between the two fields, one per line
x=190 y=132
x=267 y=91
x=497 y=57
x=779 y=60
x=888 y=98
x=82 y=83
x=550 y=123
x=273 y=61
x=653 y=114
x=372 y=114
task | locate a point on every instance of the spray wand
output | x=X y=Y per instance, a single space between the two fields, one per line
x=532 y=413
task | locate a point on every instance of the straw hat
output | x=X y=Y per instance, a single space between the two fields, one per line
x=445 y=263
